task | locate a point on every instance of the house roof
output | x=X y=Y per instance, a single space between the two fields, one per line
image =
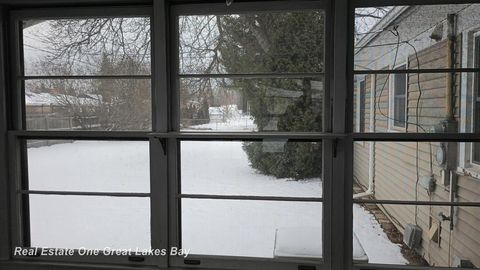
x=382 y=24
x=47 y=99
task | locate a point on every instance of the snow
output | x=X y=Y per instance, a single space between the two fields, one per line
x=47 y=99
x=226 y=118
x=300 y=242
x=107 y=166
x=40 y=99
x=212 y=227
x=375 y=242
x=223 y=169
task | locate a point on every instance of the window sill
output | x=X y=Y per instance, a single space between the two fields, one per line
x=473 y=171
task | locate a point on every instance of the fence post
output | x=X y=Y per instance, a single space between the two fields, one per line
x=46 y=122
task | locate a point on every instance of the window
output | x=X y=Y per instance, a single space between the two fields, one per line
x=238 y=73
x=87 y=73
x=361 y=113
x=476 y=98
x=83 y=100
x=237 y=132
x=399 y=98
x=107 y=139
x=256 y=77
x=409 y=185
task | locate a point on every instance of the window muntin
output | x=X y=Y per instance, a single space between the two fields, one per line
x=399 y=99
x=89 y=166
x=92 y=222
x=87 y=46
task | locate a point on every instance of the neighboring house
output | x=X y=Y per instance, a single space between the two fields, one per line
x=430 y=36
x=49 y=110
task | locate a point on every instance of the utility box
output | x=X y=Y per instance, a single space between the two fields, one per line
x=412 y=236
x=462 y=263
x=428 y=183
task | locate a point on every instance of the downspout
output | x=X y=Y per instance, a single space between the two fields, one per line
x=449 y=89
x=450 y=124
x=371 y=151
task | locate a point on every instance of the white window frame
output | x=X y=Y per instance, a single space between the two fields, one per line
x=475 y=96
x=468 y=85
x=391 y=100
x=358 y=100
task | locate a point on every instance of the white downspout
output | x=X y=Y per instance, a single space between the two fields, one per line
x=371 y=151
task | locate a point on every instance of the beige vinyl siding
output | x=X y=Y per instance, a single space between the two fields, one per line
x=395 y=165
x=381 y=102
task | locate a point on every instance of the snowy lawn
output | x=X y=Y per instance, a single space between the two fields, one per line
x=221 y=227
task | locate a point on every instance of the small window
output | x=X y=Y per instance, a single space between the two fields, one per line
x=361 y=105
x=399 y=98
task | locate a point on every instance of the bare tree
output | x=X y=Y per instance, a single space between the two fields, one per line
x=101 y=46
x=80 y=44
x=366 y=18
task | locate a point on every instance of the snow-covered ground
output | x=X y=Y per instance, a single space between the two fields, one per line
x=226 y=118
x=222 y=227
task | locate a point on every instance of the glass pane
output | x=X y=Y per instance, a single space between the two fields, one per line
x=267 y=229
x=434 y=103
x=362 y=106
x=421 y=35
x=96 y=166
x=100 y=104
x=263 y=168
x=260 y=42
x=476 y=153
x=421 y=235
x=394 y=171
x=94 y=46
x=399 y=91
x=371 y=243
x=251 y=104
x=89 y=222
